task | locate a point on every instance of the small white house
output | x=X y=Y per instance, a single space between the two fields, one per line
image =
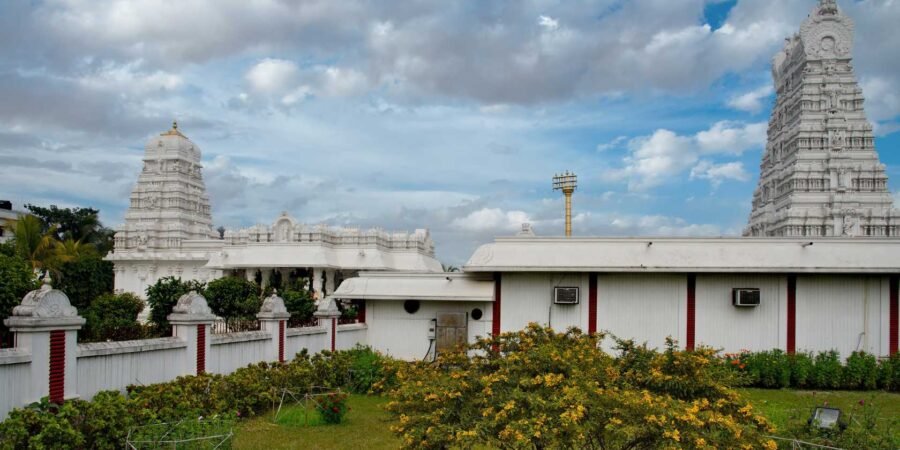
x=728 y=293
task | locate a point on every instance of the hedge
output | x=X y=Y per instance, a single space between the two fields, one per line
x=104 y=421
x=823 y=370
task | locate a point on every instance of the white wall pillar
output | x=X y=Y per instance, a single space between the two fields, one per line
x=328 y=314
x=46 y=326
x=272 y=318
x=266 y=278
x=250 y=274
x=317 y=283
x=329 y=282
x=192 y=321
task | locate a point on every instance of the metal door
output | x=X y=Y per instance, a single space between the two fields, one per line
x=452 y=331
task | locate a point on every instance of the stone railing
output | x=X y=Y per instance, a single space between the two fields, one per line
x=48 y=362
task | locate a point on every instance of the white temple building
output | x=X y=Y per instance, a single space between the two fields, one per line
x=168 y=232
x=820 y=174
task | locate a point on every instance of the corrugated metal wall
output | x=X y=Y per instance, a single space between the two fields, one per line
x=845 y=313
x=644 y=307
x=528 y=297
x=720 y=324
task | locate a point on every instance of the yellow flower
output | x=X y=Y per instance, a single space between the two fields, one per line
x=770 y=445
x=700 y=442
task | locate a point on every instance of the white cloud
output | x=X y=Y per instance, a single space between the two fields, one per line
x=665 y=155
x=342 y=82
x=717 y=173
x=752 y=101
x=272 y=76
x=548 y=23
x=615 y=143
x=491 y=219
x=732 y=137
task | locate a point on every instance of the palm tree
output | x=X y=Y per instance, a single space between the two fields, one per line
x=32 y=243
x=449 y=268
x=71 y=250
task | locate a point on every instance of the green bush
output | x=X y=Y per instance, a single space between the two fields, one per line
x=332 y=406
x=84 y=279
x=861 y=371
x=233 y=298
x=113 y=317
x=889 y=373
x=827 y=370
x=300 y=304
x=769 y=369
x=163 y=296
x=16 y=279
x=802 y=368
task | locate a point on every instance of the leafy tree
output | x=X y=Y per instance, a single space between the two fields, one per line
x=33 y=242
x=70 y=250
x=539 y=389
x=113 y=317
x=163 y=296
x=16 y=279
x=300 y=304
x=233 y=298
x=84 y=278
x=78 y=224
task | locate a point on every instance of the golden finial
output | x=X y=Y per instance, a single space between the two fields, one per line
x=174 y=131
x=174 y=125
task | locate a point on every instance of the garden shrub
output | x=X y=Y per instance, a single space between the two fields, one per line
x=233 y=298
x=802 y=367
x=163 y=296
x=861 y=371
x=300 y=304
x=365 y=368
x=113 y=317
x=104 y=422
x=769 y=369
x=84 y=279
x=827 y=370
x=540 y=389
x=889 y=373
x=332 y=406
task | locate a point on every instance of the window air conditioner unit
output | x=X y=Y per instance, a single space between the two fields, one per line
x=565 y=295
x=745 y=297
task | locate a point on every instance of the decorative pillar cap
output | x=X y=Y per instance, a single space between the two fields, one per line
x=191 y=308
x=273 y=308
x=45 y=308
x=328 y=308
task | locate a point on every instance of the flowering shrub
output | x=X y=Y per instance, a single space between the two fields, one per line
x=332 y=406
x=541 y=389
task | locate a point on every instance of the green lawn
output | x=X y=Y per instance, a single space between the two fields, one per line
x=783 y=406
x=364 y=427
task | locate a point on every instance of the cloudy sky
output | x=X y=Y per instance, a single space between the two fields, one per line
x=450 y=115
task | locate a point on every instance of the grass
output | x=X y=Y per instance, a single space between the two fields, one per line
x=366 y=424
x=784 y=407
x=364 y=427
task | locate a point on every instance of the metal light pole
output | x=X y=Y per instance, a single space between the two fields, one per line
x=567 y=183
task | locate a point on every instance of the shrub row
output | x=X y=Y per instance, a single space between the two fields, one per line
x=104 y=422
x=823 y=370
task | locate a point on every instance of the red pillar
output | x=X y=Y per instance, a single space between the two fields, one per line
x=792 y=314
x=201 y=348
x=691 y=310
x=57 y=366
x=280 y=341
x=495 y=315
x=333 y=332
x=893 y=340
x=592 y=304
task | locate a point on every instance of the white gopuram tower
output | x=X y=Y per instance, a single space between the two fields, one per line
x=820 y=174
x=169 y=202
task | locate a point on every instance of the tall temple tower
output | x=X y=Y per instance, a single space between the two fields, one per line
x=820 y=174
x=169 y=203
